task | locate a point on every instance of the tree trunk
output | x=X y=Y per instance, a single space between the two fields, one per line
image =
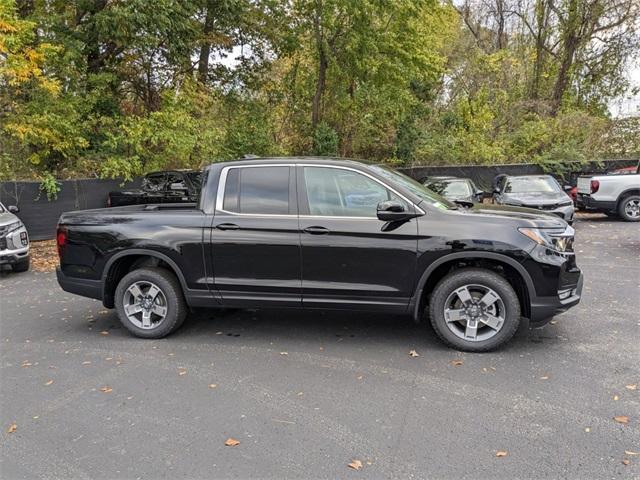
x=562 y=82
x=570 y=42
x=205 y=50
x=541 y=38
x=316 y=114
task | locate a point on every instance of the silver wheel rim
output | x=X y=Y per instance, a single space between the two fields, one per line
x=474 y=313
x=145 y=305
x=632 y=208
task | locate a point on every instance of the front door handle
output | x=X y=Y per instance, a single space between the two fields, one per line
x=227 y=226
x=317 y=230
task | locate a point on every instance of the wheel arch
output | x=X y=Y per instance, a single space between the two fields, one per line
x=628 y=192
x=439 y=268
x=123 y=262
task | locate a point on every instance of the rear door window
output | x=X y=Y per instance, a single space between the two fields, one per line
x=258 y=190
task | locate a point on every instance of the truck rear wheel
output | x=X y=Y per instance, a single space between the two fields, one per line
x=629 y=208
x=150 y=302
x=474 y=310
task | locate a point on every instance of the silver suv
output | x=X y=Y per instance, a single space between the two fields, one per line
x=14 y=240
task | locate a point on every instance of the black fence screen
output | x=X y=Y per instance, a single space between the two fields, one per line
x=41 y=215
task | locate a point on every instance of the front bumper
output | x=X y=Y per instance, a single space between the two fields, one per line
x=11 y=257
x=565 y=212
x=544 y=309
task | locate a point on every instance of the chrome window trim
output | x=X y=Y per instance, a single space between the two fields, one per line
x=222 y=182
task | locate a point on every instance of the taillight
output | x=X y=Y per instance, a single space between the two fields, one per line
x=61 y=240
x=595 y=185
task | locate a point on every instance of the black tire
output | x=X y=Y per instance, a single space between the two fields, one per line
x=474 y=276
x=170 y=288
x=22 y=266
x=622 y=208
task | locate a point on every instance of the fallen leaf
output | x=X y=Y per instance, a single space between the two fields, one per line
x=12 y=428
x=456 y=363
x=587 y=429
x=355 y=464
x=231 y=442
x=26 y=364
x=212 y=385
x=104 y=332
x=50 y=382
x=413 y=353
x=633 y=386
x=626 y=462
x=501 y=453
x=106 y=389
x=546 y=377
x=629 y=452
x=621 y=419
x=616 y=398
x=284 y=353
x=86 y=363
x=182 y=372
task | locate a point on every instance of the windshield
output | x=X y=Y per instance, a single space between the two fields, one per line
x=414 y=187
x=531 y=184
x=448 y=188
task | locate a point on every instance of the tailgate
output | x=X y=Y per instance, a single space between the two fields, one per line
x=584 y=184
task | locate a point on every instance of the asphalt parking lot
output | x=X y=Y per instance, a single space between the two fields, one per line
x=305 y=394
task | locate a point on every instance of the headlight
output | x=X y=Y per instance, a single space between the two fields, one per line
x=555 y=240
x=566 y=204
x=14 y=226
x=513 y=203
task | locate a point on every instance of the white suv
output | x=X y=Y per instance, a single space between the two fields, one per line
x=14 y=240
x=615 y=195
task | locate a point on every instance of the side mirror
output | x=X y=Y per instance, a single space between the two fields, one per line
x=177 y=186
x=393 y=211
x=13 y=209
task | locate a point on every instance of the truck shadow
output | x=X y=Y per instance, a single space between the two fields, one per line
x=325 y=327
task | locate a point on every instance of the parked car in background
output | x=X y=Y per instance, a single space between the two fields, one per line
x=455 y=189
x=541 y=192
x=14 y=240
x=175 y=186
x=614 y=195
x=323 y=234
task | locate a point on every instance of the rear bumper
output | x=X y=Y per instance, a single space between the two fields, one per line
x=80 y=286
x=544 y=309
x=585 y=201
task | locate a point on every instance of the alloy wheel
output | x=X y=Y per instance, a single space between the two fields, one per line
x=145 y=305
x=632 y=208
x=474 y=312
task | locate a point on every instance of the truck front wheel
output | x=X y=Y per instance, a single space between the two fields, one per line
x=629 y=208
x=150 y=302
x=474 y=310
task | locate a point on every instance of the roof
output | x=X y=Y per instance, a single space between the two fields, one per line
x=294 y=160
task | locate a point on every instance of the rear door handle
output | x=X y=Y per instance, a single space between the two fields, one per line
x=317 y=230
x=227 y=226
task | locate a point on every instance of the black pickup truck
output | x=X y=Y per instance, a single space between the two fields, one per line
x=327 y=234
x=173 y=186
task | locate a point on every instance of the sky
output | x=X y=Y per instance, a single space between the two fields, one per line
x=630 y=105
